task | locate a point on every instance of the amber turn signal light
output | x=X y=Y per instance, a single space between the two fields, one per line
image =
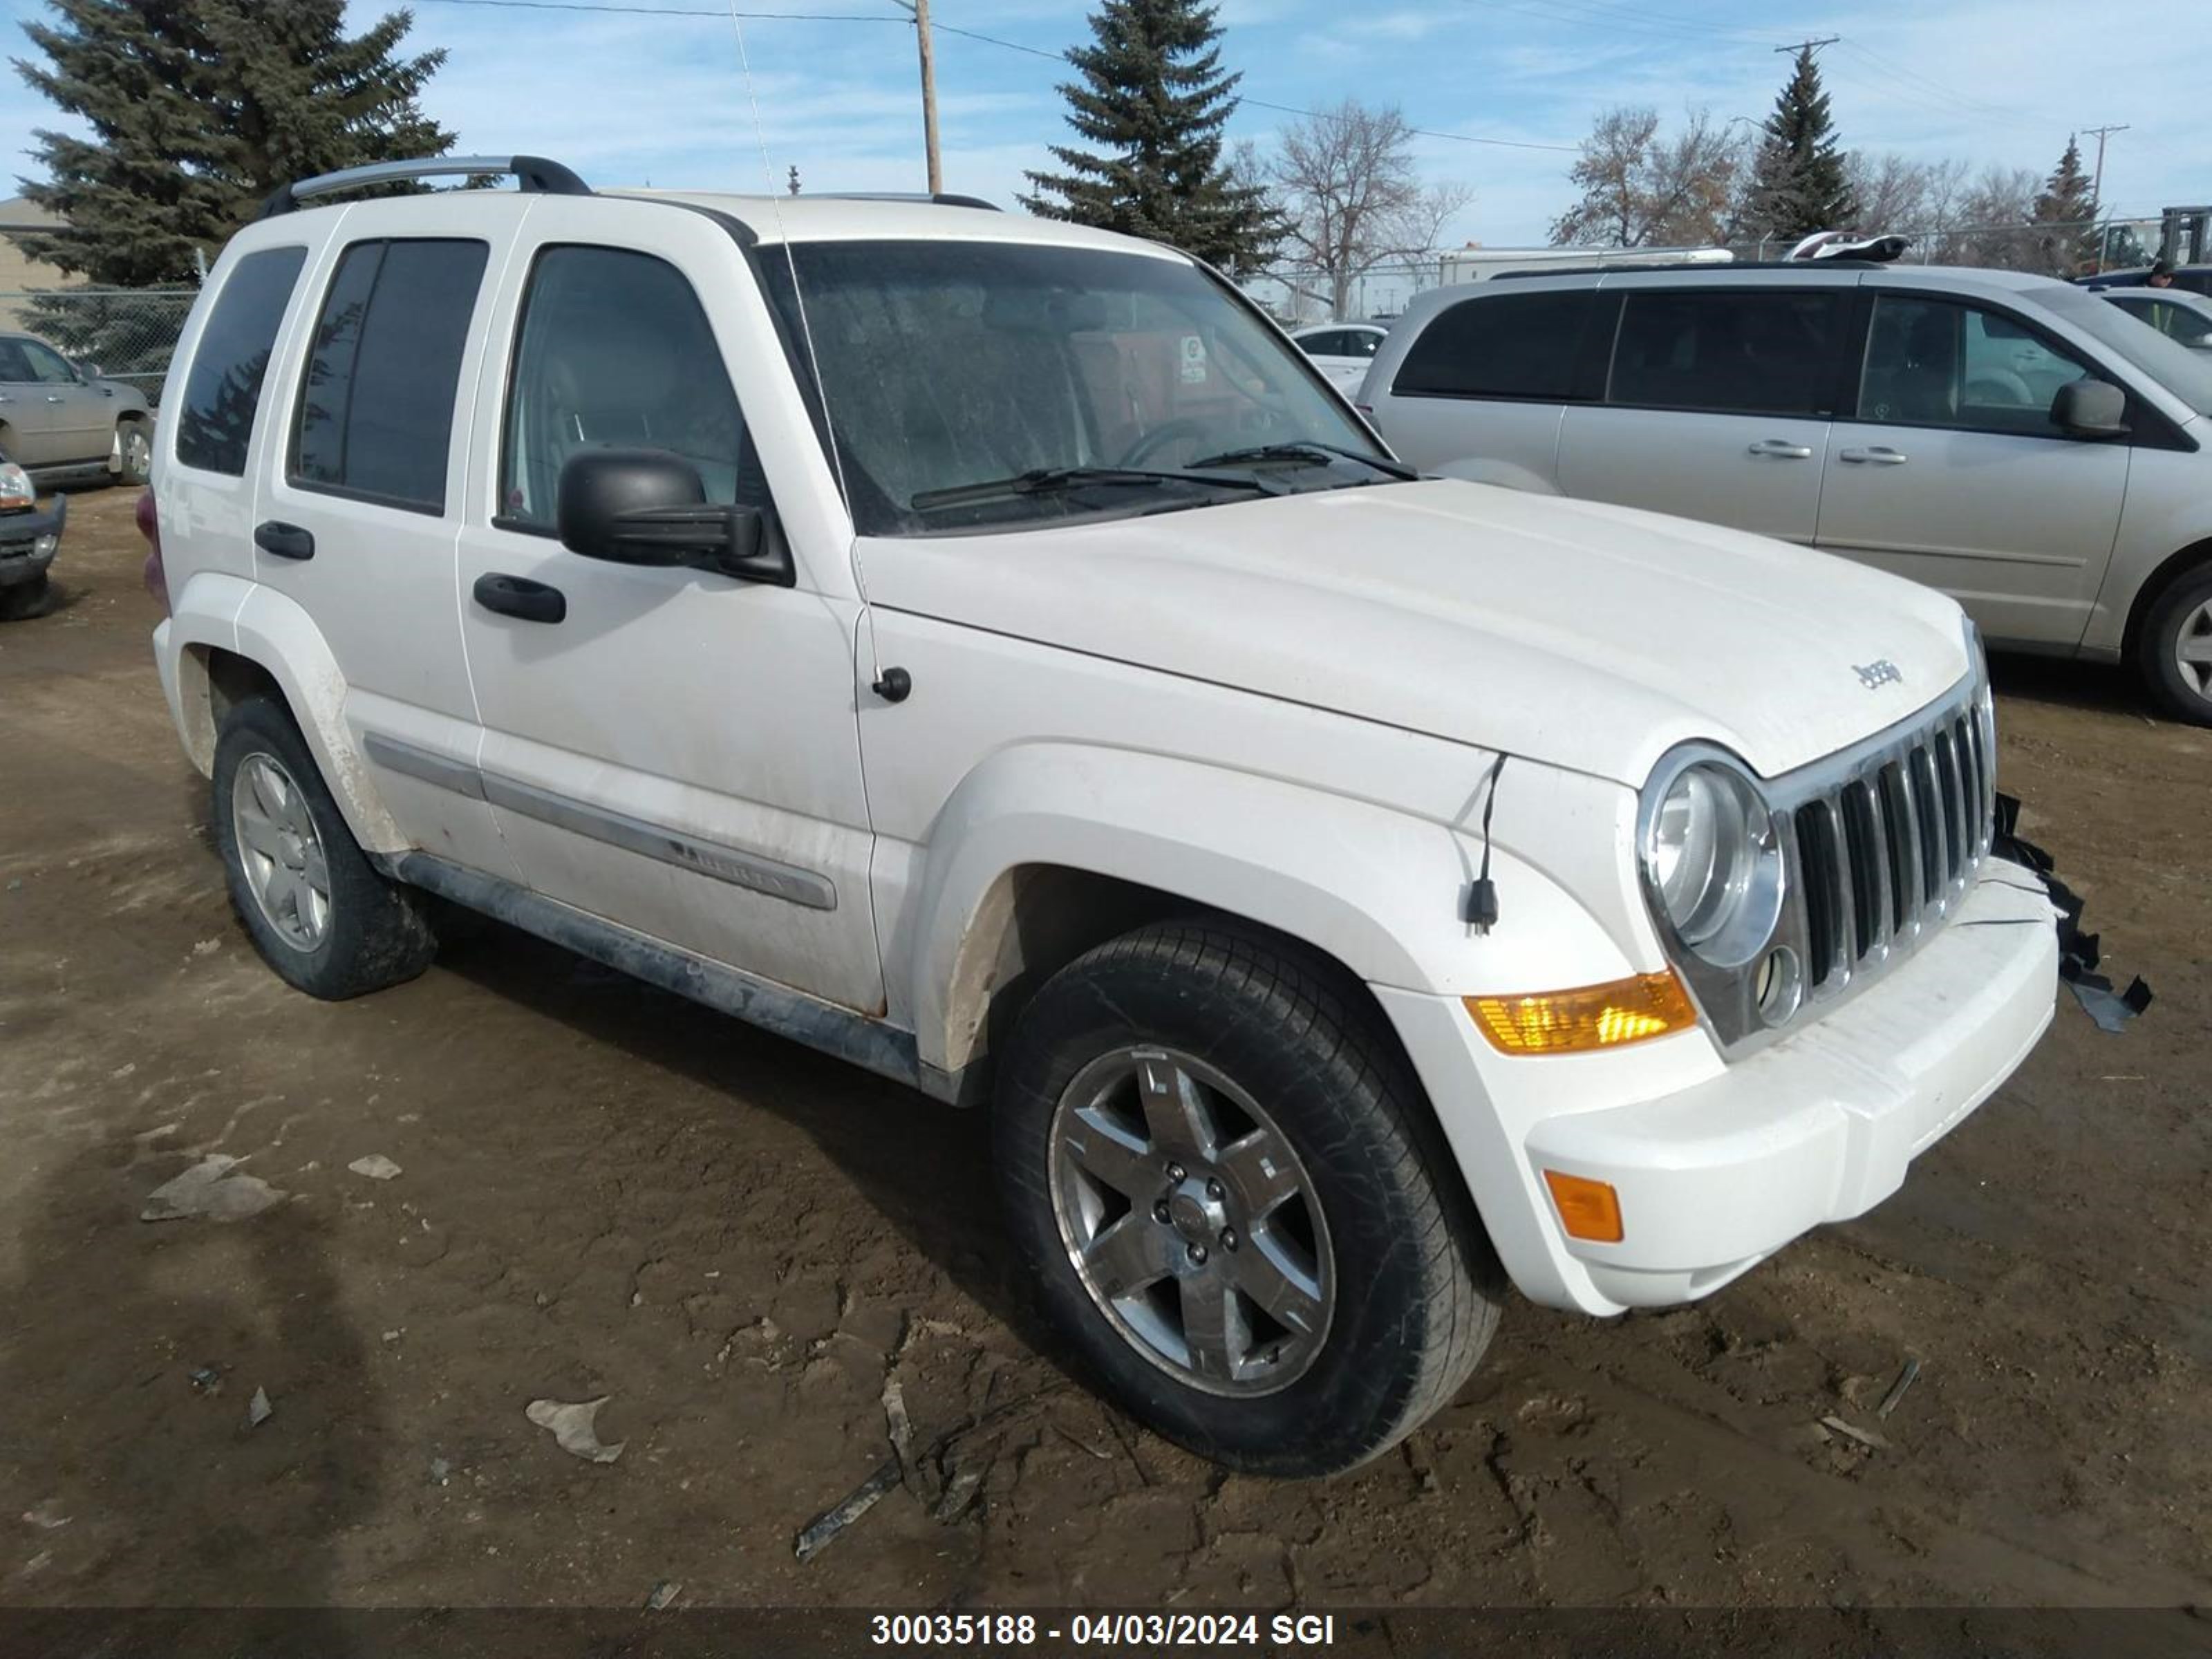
x=1593 y=1017
x=1588 y=1209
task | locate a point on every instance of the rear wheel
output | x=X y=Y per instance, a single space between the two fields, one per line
x=2175 y=650
x=134 y=446
x=1227 y=1183
x=318 y=912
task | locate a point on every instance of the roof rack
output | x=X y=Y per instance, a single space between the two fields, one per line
x=941 y=198
x=1618 y=269
x=531 y=173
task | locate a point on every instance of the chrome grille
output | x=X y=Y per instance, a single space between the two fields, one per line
x=1881 y=841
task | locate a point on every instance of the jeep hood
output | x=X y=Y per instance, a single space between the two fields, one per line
x=1581 y=634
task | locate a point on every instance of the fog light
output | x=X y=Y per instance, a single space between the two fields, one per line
x=1609 y=1016
x=1588 y=1209
x=44 y=545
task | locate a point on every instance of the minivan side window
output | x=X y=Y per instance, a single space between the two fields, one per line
x=1938 y=363
x=1735 y=351
x=1500 y=345
x=376 y=407
x=222 y=388
x=613 y=349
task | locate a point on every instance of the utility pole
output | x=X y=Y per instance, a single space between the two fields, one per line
x=2097 y=186
x=1810 y=46
x=928 y=94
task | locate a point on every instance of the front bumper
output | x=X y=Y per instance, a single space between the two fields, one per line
x=1718 y=1173
x=28 y=541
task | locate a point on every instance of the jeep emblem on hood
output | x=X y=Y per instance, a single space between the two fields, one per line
x=1881 y=671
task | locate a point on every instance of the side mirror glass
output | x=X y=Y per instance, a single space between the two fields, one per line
x=2090 y=409
x=648 y=507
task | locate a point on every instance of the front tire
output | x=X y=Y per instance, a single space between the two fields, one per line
x=320 y=913
x=1225 y=1179
x=2175 y=650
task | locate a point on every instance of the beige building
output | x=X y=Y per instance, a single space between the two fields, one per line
x=19 y=272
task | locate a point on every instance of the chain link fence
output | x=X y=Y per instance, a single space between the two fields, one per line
x=126 y=334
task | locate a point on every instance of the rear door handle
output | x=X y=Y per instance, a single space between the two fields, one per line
x=285 y=541
x=1878 y=455
x=1781 y=449
x=519 y=597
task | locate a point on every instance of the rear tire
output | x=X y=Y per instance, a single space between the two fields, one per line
x=2175 y=650
x=134 y=446
x=318 y=911
x=20 y=601
x=1251 y=1068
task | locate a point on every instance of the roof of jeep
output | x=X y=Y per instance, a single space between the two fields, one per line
x=847 y=219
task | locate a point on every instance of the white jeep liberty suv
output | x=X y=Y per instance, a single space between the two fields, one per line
x=987 y=650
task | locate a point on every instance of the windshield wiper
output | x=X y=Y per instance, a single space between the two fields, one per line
x=1307 y=449
x=1044 y=480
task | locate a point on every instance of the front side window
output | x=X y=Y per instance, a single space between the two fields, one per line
x=1500 y=345
x=1737 y=351
x=48 y=366
x=1360 y=342
x=222 y=389
x=376 y=408
x=965 y=381
x=614 y=349
x=1938 y=363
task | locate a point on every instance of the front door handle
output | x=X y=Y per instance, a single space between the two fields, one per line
x=53 y=397
x=285 y=541
x=519 y=597
x=1878 y=455
x=1781 y=449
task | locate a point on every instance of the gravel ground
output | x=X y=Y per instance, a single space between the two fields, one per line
x=604 y=1191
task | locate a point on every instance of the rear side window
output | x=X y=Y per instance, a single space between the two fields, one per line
x=376 y=410
x=1500 y=345
x=1728 y=350
x=223 y=387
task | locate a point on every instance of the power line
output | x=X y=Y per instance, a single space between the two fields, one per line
x=720 y=14
x=1806 y=48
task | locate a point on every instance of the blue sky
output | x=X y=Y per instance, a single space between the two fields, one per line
x=629 y=99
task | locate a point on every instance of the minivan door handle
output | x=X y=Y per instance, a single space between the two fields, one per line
x=1781 y=449
x=519 y=597
x=1878 y=455
x=285 y=541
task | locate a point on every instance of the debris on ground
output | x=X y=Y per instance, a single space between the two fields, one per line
x=818 y=1534
x=441 y=1472
x=899 y=1426
x=572 y=1427
x=375 y=1166
x=259 y=1410
x=2078 y=952
x=46 y=1517
x=1867 y=1437
x=211 y=1190
x=207 y=1380
x=664 y=1593
x=1905 y=1380
x=959 y=1493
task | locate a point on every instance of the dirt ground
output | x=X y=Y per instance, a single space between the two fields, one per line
x=607 y=1191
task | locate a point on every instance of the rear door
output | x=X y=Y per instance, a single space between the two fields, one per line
x=358 y=515
x=1717 y=403
x=1948 y=470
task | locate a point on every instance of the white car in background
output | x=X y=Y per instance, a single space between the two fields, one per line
x=1342 y=350
x=2181 y=316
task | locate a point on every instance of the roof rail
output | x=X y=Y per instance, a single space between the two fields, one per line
x=1708 y=269
x=531 y=173
x=941 y=198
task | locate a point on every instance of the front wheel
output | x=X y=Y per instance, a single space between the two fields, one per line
x=1227 y=1183
x=2175 y=650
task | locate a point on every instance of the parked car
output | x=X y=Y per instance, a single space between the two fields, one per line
x=1342 y=350
x=2195 y=279
x=983 y=648
x=2176 y=313
x=63 y=424
x=2014 y=440
x=29 y=537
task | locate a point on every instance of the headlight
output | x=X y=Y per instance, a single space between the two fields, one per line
x=1712 y=860
x=15 y=489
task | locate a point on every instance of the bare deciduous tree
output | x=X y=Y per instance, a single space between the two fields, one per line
x=1351 y=197
x=1921 y=199
x=1641 y=189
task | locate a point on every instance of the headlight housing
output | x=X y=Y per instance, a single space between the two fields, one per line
x=1712 y=856
x=15 y=489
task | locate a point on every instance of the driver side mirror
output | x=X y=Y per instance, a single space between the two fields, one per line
x=2090 y=409
x=648 y=507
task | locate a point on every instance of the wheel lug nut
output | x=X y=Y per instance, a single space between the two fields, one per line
x=1229 y=1239
x=1160 y=1211
x=1213 y=1190
x=1174 y=1172
x=1198 y=1254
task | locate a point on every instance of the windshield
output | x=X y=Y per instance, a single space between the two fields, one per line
x=2181 y=371
x=948 y=366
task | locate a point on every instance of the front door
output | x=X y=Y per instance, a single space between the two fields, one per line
x=673 y=750
x=1951 y=473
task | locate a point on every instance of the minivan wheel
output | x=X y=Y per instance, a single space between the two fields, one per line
x=2175 y=650
x=1227 y=1181
x=320 y=913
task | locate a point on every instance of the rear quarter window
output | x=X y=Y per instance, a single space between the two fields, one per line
x=1500 y=345
x=222 y=388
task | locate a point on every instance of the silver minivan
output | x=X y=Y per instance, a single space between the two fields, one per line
x=2021 y=444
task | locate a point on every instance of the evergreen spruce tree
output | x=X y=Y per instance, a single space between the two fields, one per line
x=199 y=108
x=1798 y=183
x=2068 y=206
x=1153 y=98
